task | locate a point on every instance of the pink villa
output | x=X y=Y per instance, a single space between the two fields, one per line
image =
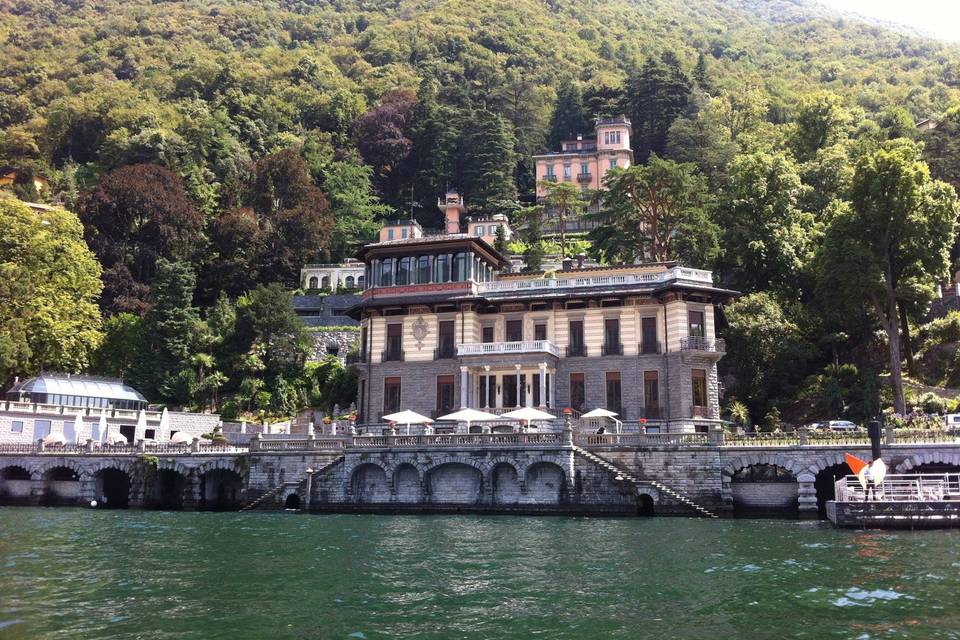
x=587 y=161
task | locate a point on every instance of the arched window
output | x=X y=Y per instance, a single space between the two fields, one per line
x=386 y=272
x=441 y=270
x=313 y=282
x=325 y=282
x=404 y=266
x=423 y=270
x=349 y=282
x=360 y=281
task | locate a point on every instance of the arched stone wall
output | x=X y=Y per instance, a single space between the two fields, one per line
x=932 y=457
x=368 y=483
x=455 y=483
x=406 y=483
x=544 y=483
x=505 y=483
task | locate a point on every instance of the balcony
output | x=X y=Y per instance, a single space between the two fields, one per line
x=584 y=177
x=392 y=355
x=552 y=178
x=574 y=280
x=702 y=344
x=649 y=348
x=500 y=348
x=355 y=358
x=615 y=349
x=576 y=351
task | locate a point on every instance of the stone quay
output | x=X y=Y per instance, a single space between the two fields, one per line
x=705 y=474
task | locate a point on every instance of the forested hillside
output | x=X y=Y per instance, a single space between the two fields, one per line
x=212 y=147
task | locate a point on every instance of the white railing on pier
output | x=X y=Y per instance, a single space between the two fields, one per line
x=567 y=280
x=587 y=440
x=494 y=348
x=145 y=448
x=904 y=487
x=460 y=439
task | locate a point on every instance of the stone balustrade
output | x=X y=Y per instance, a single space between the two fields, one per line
x=498 y=348
x=676 y=273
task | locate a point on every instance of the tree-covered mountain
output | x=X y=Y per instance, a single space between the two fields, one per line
x=210 y=147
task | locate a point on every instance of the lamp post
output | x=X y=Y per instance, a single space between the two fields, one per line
x=306 y=498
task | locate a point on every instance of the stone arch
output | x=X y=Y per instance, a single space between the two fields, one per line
x=645 y=504
x=369 y=484
x=774 y=459
x=455 y=481
x=292 y=501
x=61 y=482
x=349 y=282
x=43 y=468
x=221 y=486
x=770 y=486
x=15 y=484
x=544 y=483
x=176 y=465
x=505 y=482
x=931 y=457
x=313 y=283
x=406 y=482
x=325 y=282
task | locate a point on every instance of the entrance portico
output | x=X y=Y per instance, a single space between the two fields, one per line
x=499 y=388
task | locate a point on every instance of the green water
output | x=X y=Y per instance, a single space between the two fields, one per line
x=68 y=573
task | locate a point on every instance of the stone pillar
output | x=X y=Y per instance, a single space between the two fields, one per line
x=521 y=392
x=553 y=389
x=803 y=436
x=88 y=489
x=807 y=501
x=486 y=392
x=464 y=385
x=498 y=391
x=543 y=385
x=191 y=490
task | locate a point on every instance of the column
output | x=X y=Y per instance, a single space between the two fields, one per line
x=521 y=392
x=498 y=398
x=486 y=391
x=464 y=381
x=553 y=389
x=543 y=385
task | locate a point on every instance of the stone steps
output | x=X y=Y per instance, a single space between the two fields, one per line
x=621 y=475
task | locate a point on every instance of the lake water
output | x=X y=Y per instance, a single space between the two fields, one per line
x=71 y=573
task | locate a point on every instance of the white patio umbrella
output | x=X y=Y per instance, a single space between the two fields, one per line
x=141 y=425
x=603 y=413
x=470 y=415
x=528 y=414
x=164 y=427
x=55 y=437
x=115 y=438
x=181 y=437
x=101 y=427
x=77 y=428
x=408 y=417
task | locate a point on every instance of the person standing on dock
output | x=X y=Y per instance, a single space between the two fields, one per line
x=871 y=486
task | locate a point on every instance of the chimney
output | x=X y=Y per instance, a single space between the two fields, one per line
x=568 y=264
x=580 y=258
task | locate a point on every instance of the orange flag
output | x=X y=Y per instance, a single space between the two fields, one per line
x=856 y=464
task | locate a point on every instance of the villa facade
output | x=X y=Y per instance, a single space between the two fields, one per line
x=443 y=329
x=587 y=162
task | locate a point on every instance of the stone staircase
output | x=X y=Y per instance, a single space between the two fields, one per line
x=622 y=475
x=290 y=487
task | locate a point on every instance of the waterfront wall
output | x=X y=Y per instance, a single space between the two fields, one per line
x=541 y=473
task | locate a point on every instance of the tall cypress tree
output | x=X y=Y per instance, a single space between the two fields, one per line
x=569 y=117
x=657 y=94
x=487 y=152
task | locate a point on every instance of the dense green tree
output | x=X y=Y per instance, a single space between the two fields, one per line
x=565 y=202
x=569 y=117
x=766 y=352
x=124 y=343
x=821 y=120
x=265 y=319
x=898 y=227
x=657 y=94
x=488 y=158
x=49 y=285
x=767 y=239
x=942 y=148
x=654 y=212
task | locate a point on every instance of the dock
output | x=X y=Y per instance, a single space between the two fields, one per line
x=902 y=501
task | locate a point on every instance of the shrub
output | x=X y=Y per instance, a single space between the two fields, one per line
x=932 y=403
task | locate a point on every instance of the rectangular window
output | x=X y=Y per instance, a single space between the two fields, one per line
x=651 y=395
x=423 y=269
x=567 y=172
x=577 y=391
x=16 y=426
x=613 y=163
x=391 y=395
x=699 y=379
x=696 y=326
x=613 y=392
x=492 y=230
x=577 y=347
x=394 y=341
x=611 y=337
x=478 y=229
x=444 y=395
x=363 y=402
x=403 y=233
x=550 y=170
x=488 y=391
x=389 y=234
x=445 y=333
x=540 y=331
x=41 y=428
x=510 y=396
x=584 y=168
x=363 y=344
x=514 y=330
x=648 y=333
x=486 y=334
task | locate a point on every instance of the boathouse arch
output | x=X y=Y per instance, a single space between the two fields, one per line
x=932 y=457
